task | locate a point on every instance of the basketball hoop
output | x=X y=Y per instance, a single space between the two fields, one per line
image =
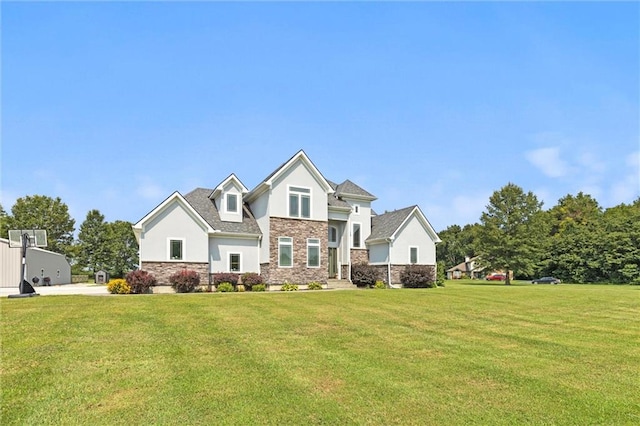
x=25 y=238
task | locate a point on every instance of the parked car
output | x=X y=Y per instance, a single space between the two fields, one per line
x=496 y=277
x=546 y=280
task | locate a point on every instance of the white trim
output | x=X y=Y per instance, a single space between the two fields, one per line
x=356 y=209
x=229 y=254
x=220 y=187
x=183 y=250
x=318 y=245
x=333 y=227
x=290 y=244
x=417 y=255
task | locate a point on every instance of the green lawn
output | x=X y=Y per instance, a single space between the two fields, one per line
x=469 y=353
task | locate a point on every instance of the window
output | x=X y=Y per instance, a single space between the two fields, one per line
x=313 y=253
x=234 y=262
x=413 y=254
x=356 y=209
x=175 y=249
x=42 y=272
x=333 y=234
x=232 y=203
x=356 y=235
x=285 y=252
x=58 y=273
x=299 y=202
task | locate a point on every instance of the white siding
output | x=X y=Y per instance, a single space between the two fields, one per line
x=363 y=218
x=221 y=201
x=379 y=253
x=221 y=247
x=413 y=234
x=10 y=262
x=260 y=210
x=174 y=222
x=298 y=175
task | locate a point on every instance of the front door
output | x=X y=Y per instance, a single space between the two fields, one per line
x=333 y=262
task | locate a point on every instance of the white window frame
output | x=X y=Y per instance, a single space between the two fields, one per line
x=315 y=243
x=353 y=234
x=229 y=261
x=226 y=203
x=281 y=243
x=182 y=249
x=417 y=255
x=356 y=209
x=300 y=192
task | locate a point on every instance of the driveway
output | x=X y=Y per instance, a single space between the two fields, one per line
x=65 y=289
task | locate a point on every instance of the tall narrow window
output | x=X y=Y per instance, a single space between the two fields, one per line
x=234 y=262
x=175 y=249
x=356 y=209
x=299 y=202
x=285 y=252
x=356 y=235
x=333 y=234
x=413 y=254
x=232 y=203
x=313 y=253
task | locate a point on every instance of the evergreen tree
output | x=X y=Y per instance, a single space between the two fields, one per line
x=123 y=248
x=93 y=242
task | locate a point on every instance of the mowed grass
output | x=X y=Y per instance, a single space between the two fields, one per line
x=463 y=354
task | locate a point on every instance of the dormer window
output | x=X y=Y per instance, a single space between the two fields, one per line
x=299 y=202
x=232 y=203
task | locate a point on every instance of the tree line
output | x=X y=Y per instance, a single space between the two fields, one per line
x=576 y=240
x=100 y=245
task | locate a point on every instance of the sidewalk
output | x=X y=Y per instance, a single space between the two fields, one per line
x=65 y=289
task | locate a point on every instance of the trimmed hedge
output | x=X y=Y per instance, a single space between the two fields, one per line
x=418 y=276
x=185 y=281
x=364 y=275
x=140 y=281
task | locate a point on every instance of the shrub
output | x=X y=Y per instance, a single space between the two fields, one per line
x=259 y=287
x=289 y=287
x=250 y=279
x=240 y=288
x=380 y=285
x=140 y=281
x=226 y=277
x=185 y=281
x=364 y=275
x=418 y=276
x=225 y=287
x=314 y=286
x=118 y=286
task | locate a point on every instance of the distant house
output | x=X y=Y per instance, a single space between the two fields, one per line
x=466 y=269
x=294 y=226
x=40 y=263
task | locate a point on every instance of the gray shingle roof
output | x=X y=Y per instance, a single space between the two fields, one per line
x=349 y=188
x=200 y=201
x=386 y=224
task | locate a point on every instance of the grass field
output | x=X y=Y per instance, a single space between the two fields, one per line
x=469 y=353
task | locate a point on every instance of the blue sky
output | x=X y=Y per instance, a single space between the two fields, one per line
x=113 y=106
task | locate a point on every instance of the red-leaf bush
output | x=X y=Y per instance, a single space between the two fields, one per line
x=185 y=281
x=226 y=277
x=140 y=281
x=418 y=276
x=250 y=279
x=364 y=275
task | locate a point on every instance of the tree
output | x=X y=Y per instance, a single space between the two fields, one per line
x=511 y=232
x=620 y=247
x=457 y=243
x=42 y=212
x=93 y=239
x=4 y=230
x=123 y=248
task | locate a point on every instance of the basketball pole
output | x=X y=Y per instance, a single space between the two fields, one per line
x=26 y=289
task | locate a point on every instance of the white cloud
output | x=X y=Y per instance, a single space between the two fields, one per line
x=548 y=161
x=627 y=189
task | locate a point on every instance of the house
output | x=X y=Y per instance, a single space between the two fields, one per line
x=467 y=269
x=40 y=263
x=295 y=226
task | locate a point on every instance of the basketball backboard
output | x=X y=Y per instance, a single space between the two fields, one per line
x=37 y=237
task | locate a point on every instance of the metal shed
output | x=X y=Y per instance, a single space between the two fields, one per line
x=40 y=263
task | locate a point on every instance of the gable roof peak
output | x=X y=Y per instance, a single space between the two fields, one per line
x=350 y=189
x=231 y=178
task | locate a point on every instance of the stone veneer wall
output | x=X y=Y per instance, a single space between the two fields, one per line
x=163 y=270
x=299 y=230
x=396 y=270
x=359 y=256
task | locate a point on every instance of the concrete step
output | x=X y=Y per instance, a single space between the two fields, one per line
x=346 y=284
